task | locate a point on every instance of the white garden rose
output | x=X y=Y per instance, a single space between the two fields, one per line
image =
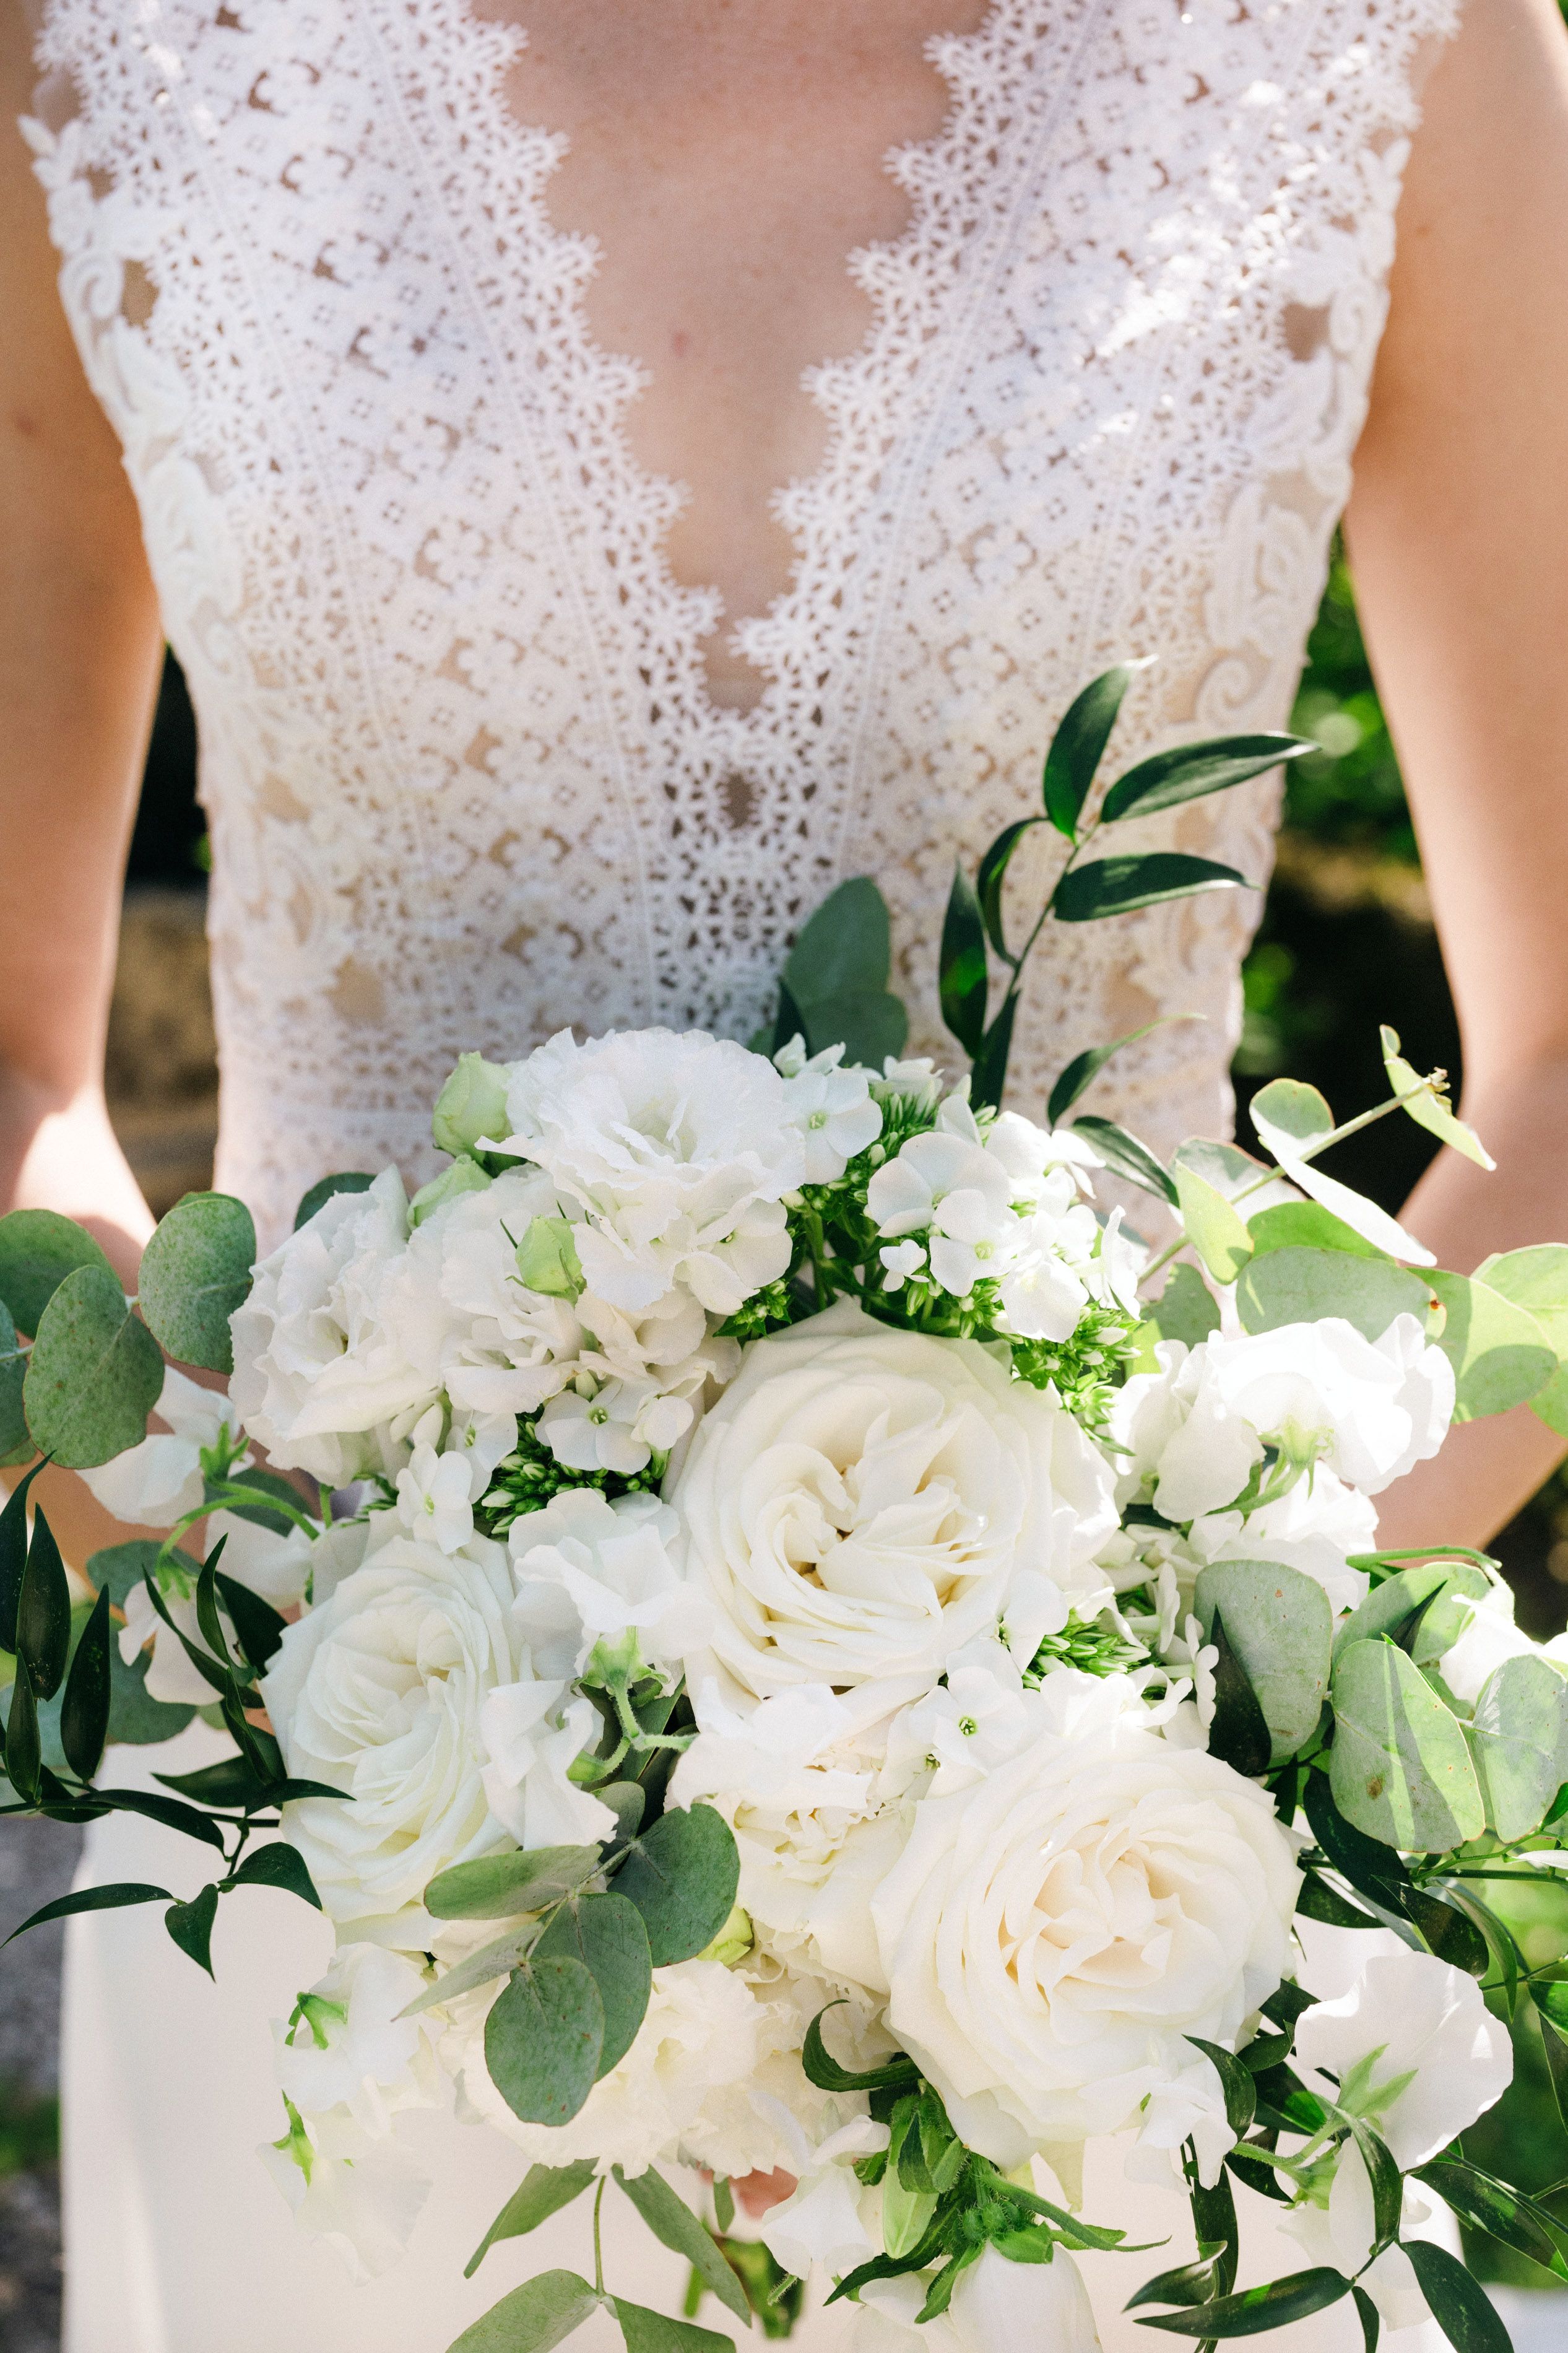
x=1052 y=1934
x=675 y=1153
x=319 y=1379
x=382 y=1693
x=863 y=1500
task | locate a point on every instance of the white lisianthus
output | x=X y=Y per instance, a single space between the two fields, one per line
x=319 y=1379
x=381 y=1693
x=533 y=1735
x=363 y=2196
x=460 y=1310
x=1052 y=1936
x=155 y=1484
x=996 y=2305
x=1368 y=1409
x=830 y=1108
x=861 y=1502
x=346 y=2046
x=674 y=1153
x=590 y=1571
x=1429 y=2054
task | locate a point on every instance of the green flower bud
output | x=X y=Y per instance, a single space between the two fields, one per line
x=733 y=1942
x=547 y=1258
x=465 y=1175
x=471 y=1105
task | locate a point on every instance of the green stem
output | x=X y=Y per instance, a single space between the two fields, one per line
x=598 y=2248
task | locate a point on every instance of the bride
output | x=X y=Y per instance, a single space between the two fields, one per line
x=609 y=472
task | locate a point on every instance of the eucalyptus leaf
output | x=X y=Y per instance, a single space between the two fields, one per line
x=1392 y=1601
x=95 y=1375
x=682 y=1876
x=1519 y=1738
x=1281 y=1629
x=1293 y=1120
x=1400 y=1767
x=1428 y=1105
x=503 y=1886
x=1290 y=1115
x=349 y=1180
x=606 y=1935
x=195 y=1271
x=1239 y=1734
x=1216 y=1232
x=545 y=2189
x=1233 y=1172
x=497 y=1959
x=1500 y=1354
x=674 y=2224
x=1537 y=1280
x=1295 y=1286
x=536 y=2317
x=37 y=1250
x=544 y=2033
x=16 y=1446
x=1169 y=778
x=961 y=971
x=655 y=2332
x=1307 y=1225
x=1186 y=1309
x=1118 y=886
x=869 y=1024
x=1079 y=745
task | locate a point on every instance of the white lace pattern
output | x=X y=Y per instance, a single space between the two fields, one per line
x=465 y=778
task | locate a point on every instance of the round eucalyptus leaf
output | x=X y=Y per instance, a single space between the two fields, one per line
x=1499 y=1352
x=16 y=1446
x=846 y=947
x=37 y=1250
x=682 y=1876
x=1400 y=1768
x=542 y=2038
x=1297 y=1285
x=195 y=1271
x=503 y=1886
x=1281 y=1629
x=1519 y=1742
x=95 y=1373
x=606 y=1935
x=1216 y=1232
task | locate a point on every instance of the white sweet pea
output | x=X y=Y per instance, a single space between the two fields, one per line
x=824 y=2220
x=1052 y=1936
x=155 y=1484
x=829 y=1107
x=591 y=1571
x=1427 y=2054
x=1313 y=1526
x=346 y=2046
x=172 y=1676
x=533 y=1735
x=319 y=1378
x=1341 y=2236
x=279 y=1565
x=860 y=1500
x=1189 y=2105
x=362 y=2196
x=674 y=1152
x=998 y=2306
x=1488 y=1637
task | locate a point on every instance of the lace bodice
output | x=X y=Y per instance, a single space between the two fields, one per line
x=465 y=780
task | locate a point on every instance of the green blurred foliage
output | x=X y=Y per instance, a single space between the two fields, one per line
x=1350 y=794
x=29 y=2129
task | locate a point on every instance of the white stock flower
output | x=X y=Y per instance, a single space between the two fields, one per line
x=362 y=2196
x=1420 y=2032
x=674 y=1152
x=318 y=1378
x=998 y=2306
x=381 y=1693
x=830 y=1108
x=347 y=2047
x=915 y=1080
x=861 y=1502
x=1052 y=1936
x=590 y=1570
x=616 y=1428
x=156 y=1482
x=958 y=1732
x=435 y=1499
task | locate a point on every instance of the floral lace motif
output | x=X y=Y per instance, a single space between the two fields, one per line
x=466 y=782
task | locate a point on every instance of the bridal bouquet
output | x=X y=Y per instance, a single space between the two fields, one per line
x=786 y=1636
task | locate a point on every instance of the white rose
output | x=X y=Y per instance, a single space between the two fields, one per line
x=1437 y=2055
x=860 y=1502
x=675 y=1152
x=317 y=1375
x=1053 y=1935
x=156 y=1482
x=382 y=1692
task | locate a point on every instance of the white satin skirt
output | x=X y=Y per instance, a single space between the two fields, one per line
x=178 y=2242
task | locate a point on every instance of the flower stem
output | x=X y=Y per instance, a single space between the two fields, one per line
x=598 y=2249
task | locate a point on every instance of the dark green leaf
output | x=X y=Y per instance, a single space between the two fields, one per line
x=1555 y=2041
x=190 y=1926
x=988 y=1077
x=1126 y=1157
x=14 y=1555
x=1504 y=2214
x=655 y=2332
x=682 y=1876
x=1387 y=2185
x=353 y=1180
x=1318 y=1901
x=278 y=1865
x=16 y=1446
x=672 y=2221
x=132 y=1717
x=789 y=1022
x=606 y=1935
x=846 y=947
x=37 y=1250
x=1185 y=2283
x=1194 y=769
x=991 y=874
x=1084 y=1069
x=195 y=1271
x=1079 y=745
x=84 y=1714
x=545 y=2189
x=542 y=2037
x=1253 y=2169
x=257 y=1627
x=107 y=1898
x=230 y=1783
x=540 y=2314
x=1215 y=2224
x=1372 y=1868
x=822 y=2069
x=1256 y=2309
x=22 y=1754
x=869 y=1024
x=1118 y=886
x=44 y=1611
x=1240 y=2092
x=1446 y=1931
x=1370 y=2317
x=1239 y=1734
x=503 y=1886
x=95 y=1373
x=629 y=1802
x=1460 y=2305
x=170 y=1812
x=962 y=982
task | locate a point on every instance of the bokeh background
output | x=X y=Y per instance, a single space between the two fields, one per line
x=1346 y=942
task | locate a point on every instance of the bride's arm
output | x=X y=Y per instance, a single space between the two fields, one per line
x=79 y=649
x=1457 y=535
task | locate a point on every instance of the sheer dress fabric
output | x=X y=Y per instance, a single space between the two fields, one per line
x=465 y=779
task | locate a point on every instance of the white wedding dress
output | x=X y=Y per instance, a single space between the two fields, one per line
x=465 y=780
